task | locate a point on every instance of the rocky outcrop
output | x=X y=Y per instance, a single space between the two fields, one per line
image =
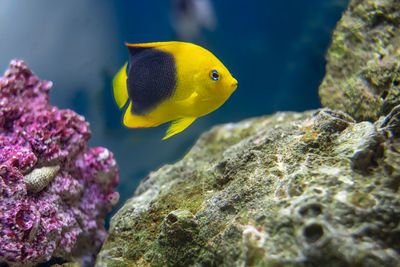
x=292 y=189
x=363 y=72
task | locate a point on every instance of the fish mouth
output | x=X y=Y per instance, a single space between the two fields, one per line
x=234 y=84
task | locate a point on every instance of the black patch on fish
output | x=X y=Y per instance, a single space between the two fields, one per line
x=151 y=78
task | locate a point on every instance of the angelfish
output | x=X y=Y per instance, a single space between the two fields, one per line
x=170 y=81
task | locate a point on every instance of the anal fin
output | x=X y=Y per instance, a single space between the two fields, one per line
x=137 y=121
x=178 y=126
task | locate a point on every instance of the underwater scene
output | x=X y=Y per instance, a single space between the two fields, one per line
x=200 y=133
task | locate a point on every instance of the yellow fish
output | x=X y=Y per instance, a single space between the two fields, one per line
x=171 y=81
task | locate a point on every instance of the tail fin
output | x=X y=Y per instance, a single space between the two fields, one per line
x=119 y=85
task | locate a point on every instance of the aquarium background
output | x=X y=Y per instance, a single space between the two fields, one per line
x=275 y=49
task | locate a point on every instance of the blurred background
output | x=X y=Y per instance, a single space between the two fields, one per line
x=275 y=49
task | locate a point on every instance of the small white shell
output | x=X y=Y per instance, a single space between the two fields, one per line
x=39 y=178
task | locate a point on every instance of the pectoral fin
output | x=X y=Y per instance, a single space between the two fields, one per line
x=178 y=126
x=188 y=102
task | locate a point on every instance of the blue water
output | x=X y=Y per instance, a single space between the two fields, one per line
x=275 y=49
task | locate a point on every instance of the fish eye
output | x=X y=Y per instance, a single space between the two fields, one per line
x=214 y=75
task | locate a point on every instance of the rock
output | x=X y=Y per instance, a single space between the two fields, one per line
x=363 y=72
x=54 y=190
x=292 y=189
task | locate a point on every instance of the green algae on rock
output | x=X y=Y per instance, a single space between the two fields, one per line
x=291 y=189
x=363 y=62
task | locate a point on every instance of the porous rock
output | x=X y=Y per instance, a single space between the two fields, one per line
x=363 y=61
x=54 y=190
x=292 y=189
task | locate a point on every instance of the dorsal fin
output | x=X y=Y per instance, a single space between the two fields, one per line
x=137 y=48
x=150 y=45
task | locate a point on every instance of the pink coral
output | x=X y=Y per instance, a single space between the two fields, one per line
x=54 y=191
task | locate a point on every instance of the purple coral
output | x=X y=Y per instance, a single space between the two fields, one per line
x=54 y=190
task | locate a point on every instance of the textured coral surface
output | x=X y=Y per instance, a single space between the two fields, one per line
x=55 y=191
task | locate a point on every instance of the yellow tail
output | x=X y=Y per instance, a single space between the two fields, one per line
x=119 y=85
